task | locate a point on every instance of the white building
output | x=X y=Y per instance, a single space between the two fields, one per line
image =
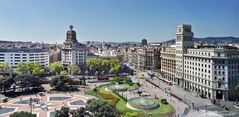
x=73 y=52
x=14 y=56
x=184 y=38
x=211 y=71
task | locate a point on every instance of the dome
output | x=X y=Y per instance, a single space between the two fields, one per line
x=71 y=31
x=71 y=34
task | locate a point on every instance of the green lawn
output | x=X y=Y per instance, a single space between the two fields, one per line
x=121 y=105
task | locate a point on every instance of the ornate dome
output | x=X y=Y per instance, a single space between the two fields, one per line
x=71 y=35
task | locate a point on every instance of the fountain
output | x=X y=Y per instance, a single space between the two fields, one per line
x=117 y=87
x=4 y=110
x=141 y=103
x=58 y=98
x=78 y=102
x=28 y=101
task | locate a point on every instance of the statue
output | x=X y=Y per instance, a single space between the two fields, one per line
x=71 y=27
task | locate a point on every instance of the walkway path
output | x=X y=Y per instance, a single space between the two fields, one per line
x=37 y=107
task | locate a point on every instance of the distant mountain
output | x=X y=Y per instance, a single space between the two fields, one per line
x=211 y=40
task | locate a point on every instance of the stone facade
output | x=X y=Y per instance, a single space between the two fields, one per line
x=73 y=52
x=210 y=71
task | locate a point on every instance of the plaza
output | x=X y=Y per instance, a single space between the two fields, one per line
x=43 y=106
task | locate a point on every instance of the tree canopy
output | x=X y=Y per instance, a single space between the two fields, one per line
x=56 y=67
x=97 y=65
x=73 y=69
x=23 y=114
x=101 y=108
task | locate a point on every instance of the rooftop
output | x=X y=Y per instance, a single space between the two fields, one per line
x=21 y=50
x=217 y=47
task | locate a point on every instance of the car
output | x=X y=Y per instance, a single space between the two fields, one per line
x=41 y=93
x=164 y=101
x=5 y=100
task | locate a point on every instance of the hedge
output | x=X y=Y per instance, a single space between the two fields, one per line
x=113 y=99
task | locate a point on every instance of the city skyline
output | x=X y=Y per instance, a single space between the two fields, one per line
x=115 y=21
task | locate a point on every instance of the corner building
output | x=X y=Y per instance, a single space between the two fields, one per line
x=73 y=52
x=211 y=71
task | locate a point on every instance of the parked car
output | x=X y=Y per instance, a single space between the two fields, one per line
x=5 y=100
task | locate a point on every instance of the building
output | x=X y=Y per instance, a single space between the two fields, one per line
x=132 y=57
x=54 y=54
x=210 y=71
x=14 y=56
x=144 y=42
x=73 y=52
x=184 y=37
x=147 y=58
x=168 y=63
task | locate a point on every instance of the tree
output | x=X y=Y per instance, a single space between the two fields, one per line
x=5 y=82
x=56 y=67
x=118 y=80
x=237 y=85
x=103 y=66
x=23 y=114
x=28 y=74
x=115 y=69
x=63 y=74
x=64 y=112
x=37 y=70
x=101 y=108
x=5 y=69
x=106 y=66
x=94 y=64
x=63 y=82
x=73 y=69
x=6 y=76
x=80 y=112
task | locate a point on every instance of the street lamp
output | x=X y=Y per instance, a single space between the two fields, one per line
x=30 y=104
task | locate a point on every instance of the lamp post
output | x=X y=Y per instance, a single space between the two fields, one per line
x=30 y=104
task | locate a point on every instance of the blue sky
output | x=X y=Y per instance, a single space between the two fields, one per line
x=115 y=20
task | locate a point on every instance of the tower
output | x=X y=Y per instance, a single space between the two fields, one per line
x=184 y=40
x=71 y=41
x=144 y=42
x=71 y=35
x=73 y=52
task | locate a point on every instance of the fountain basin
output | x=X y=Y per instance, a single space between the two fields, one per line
x=117 y=87
x=58 y=98
x=143 y=103
x=27 y=101
x=78 y=102
x=4 y=110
